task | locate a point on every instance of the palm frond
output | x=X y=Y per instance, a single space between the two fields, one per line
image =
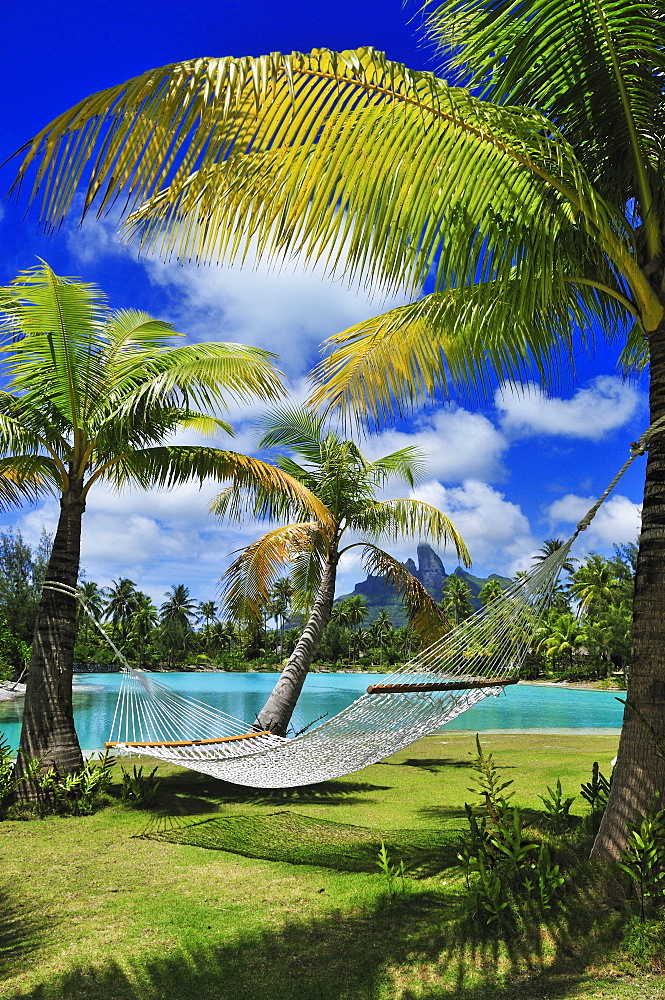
x=595 y=68
x=27 y=477
x=457 y=340
x=425 y=615
x=395 y=519
x=250 y=578
x=172 y=465
x=490 y=185
x=408 y=463
x=293 y=427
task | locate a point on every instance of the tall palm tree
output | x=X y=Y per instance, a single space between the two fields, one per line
x=490 y=591
x=595 y=585
x=91 y=397
x=280 y=604
x=143 y=622
x=207 y=613
x=560 y=636
x=534 y=197
x=176 y=614
x=345 y=482
x=457 y=598
x=121 y=601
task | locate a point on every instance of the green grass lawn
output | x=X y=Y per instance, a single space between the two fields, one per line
x=224 y=892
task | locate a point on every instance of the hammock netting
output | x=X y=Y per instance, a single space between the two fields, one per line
x=477 y=658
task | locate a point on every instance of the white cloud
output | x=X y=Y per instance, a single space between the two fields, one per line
x=495 y=530
x=617 y=521
x=287 y=309
x=457 y=445
x=590 y=413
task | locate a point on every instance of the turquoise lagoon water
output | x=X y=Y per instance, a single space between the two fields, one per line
x=242 y=695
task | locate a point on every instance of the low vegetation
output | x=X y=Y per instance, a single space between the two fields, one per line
x=349 y=889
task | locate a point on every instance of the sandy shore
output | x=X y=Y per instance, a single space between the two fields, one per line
x=9 y=691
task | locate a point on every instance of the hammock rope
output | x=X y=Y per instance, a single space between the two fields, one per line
x=480 y=656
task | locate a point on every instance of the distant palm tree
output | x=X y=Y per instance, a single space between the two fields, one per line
x=548 y=548
x=176 y=614
x=345 y=482
x=143 y=622
x=207 y=613
x=457 y=598
x=120 y=604
x=280 y=604
x=594 y=585
x=490 y=591
x=562 y=635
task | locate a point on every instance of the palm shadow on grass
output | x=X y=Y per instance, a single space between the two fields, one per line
x=287 y=836
x=432 y=764
x=420 y=946
x=19 y=930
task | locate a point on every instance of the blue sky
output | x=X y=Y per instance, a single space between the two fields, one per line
x=519 y=468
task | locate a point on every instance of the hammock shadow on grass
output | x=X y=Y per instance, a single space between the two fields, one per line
x=210 y=793
x=432 y=764
x=419 y=946
x=19 y=930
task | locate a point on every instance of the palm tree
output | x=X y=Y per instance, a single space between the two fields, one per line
x=207 y=613
x=143 y=622
x=534 y=197
x=280 y=604
x=120 y=605
x=548 y=548
x=90 y=397
x=490 y=591
x=594 y=585
x=457 y=598
x=561 y=635
x=176 y=614
x=345 y=482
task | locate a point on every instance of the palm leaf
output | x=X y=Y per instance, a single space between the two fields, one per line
x=172 y=465
x=425 y=615
x=595 y=67
x=247 y=583
x=490 y=185
x=396 y=518
x=457 y=340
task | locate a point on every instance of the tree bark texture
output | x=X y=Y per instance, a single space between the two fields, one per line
x=48 y=731
x=277 y=711
x=640 y=767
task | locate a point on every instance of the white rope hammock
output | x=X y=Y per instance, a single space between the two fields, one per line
x=479 y=657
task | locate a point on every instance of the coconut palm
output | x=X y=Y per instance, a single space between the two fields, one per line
x=490 y=591
x=534 y=199
x=345 y=482
x=457 y=598
x=280 y=604
x=562 y=635
x=121 y=601
x=594 y=585
x=91 y=397
x=143 y=622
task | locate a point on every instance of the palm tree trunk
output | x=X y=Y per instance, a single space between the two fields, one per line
x=48 y=731
x=640 y=768
x=277 y=711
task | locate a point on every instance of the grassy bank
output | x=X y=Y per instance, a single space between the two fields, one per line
x=208 y=906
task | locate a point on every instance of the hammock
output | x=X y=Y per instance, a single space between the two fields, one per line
x=479 y=657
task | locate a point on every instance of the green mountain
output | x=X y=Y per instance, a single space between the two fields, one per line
x=431 y=573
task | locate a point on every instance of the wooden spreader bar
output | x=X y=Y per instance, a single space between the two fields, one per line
x=189 y=743
x=438 y=686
